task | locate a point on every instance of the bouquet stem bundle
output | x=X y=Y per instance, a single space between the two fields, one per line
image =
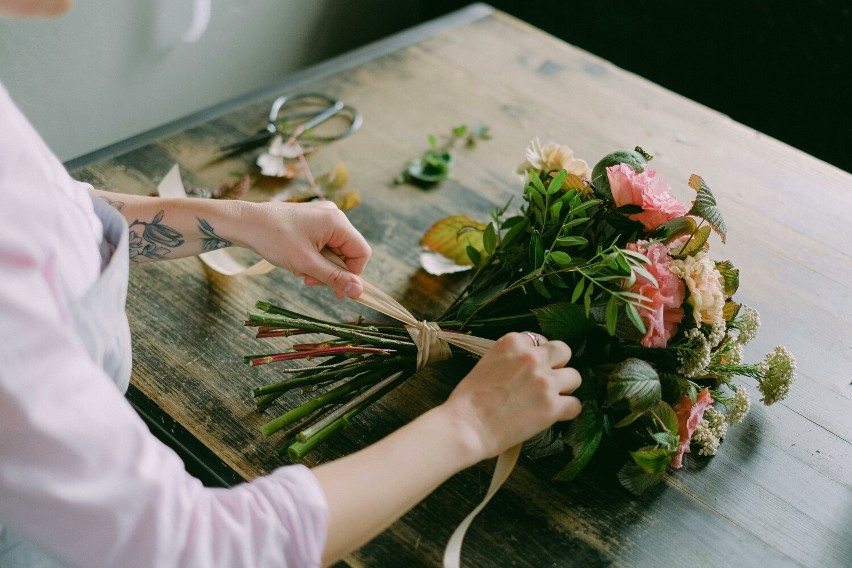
x=606 y=260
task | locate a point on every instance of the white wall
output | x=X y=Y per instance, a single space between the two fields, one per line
x=109 y=69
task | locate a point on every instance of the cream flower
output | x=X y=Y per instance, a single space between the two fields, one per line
x=779 y=372
x=740 y=404
x=709 y=432
x=553 y=157
x=705 y=287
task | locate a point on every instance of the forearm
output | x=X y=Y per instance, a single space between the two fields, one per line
x=162 y=228
x=369 y=490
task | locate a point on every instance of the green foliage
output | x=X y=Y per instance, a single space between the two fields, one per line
x=633 y=384
x=434 y=164
x=705 y=206
x=584 y=436
x=565 y=321
x=730 y=277
x=637 y=480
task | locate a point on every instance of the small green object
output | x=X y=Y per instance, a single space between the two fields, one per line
x=632 y=158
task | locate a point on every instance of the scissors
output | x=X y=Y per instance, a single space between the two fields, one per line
x=296 y=116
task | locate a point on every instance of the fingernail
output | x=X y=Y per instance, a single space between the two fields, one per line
x=352 y=290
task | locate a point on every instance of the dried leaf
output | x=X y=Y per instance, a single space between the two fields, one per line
x=233 y=190
x=452 y=235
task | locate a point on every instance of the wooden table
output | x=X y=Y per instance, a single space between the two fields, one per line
x=779 y=493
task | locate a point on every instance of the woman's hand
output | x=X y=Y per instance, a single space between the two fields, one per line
x=293 y=236
x=519 y=388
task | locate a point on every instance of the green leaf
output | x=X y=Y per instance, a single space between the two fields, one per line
x=536 y=251
x=695 y=244
x=636 y=480
x=674 y=228
x=564 y=321
x=537 y=200
x=635 y=382
x=730 y=277
x=578 y=289
x=460 y=131
x=705 y=206
x=665 y=414
x=560 y=258
x=557 y=181
x=515 y=230
x=633 y=315
x=512 y=221
x=571 y=241
x=555 y=209
x=536 y=183
x=667 y=440
x=583 y=206
x=474 y=255
x=629 y=209
x=652 y=459
x=539 y=286
x=730 y=310
x=555 y=281
x=611 y=315
x=587 y=299
x=489 y=239
x=584 y=436
x=575 y=222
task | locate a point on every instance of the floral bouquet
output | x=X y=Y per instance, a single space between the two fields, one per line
x=605 y=259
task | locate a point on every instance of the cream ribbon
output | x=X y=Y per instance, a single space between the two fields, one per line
x=432 y=345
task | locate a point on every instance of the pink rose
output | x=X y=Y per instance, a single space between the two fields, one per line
x=663 y=311
x=647 y=191
x=688 y=417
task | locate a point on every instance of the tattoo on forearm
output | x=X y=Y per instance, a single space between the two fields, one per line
x=115 y=204
x=152 y=240
x=210 y=240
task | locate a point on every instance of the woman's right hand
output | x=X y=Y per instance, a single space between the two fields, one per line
x=519 y=388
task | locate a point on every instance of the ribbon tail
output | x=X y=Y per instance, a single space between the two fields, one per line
x=505 y=464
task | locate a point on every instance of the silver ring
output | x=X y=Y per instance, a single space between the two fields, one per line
x=534 y=337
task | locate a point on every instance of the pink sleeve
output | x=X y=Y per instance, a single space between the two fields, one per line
x=81 y=476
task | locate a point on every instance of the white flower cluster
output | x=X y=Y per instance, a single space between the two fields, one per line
x=694 y=361
x=779 y=372
x=748 y=324
x=709 y=432
x=740 y=406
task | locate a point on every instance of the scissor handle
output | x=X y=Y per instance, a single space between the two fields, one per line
x=334 y=107
x=275 y=109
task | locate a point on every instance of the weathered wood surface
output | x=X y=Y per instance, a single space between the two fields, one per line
x=779 y=493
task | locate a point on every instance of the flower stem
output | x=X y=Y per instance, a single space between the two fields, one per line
x=331 y=397
x=308 y=439
x=321 y=352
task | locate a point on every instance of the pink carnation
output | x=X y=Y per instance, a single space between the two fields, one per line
x=663 y=311
x=647 y=191
x=688 y=417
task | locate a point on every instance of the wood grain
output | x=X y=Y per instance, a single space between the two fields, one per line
x=779 y=493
